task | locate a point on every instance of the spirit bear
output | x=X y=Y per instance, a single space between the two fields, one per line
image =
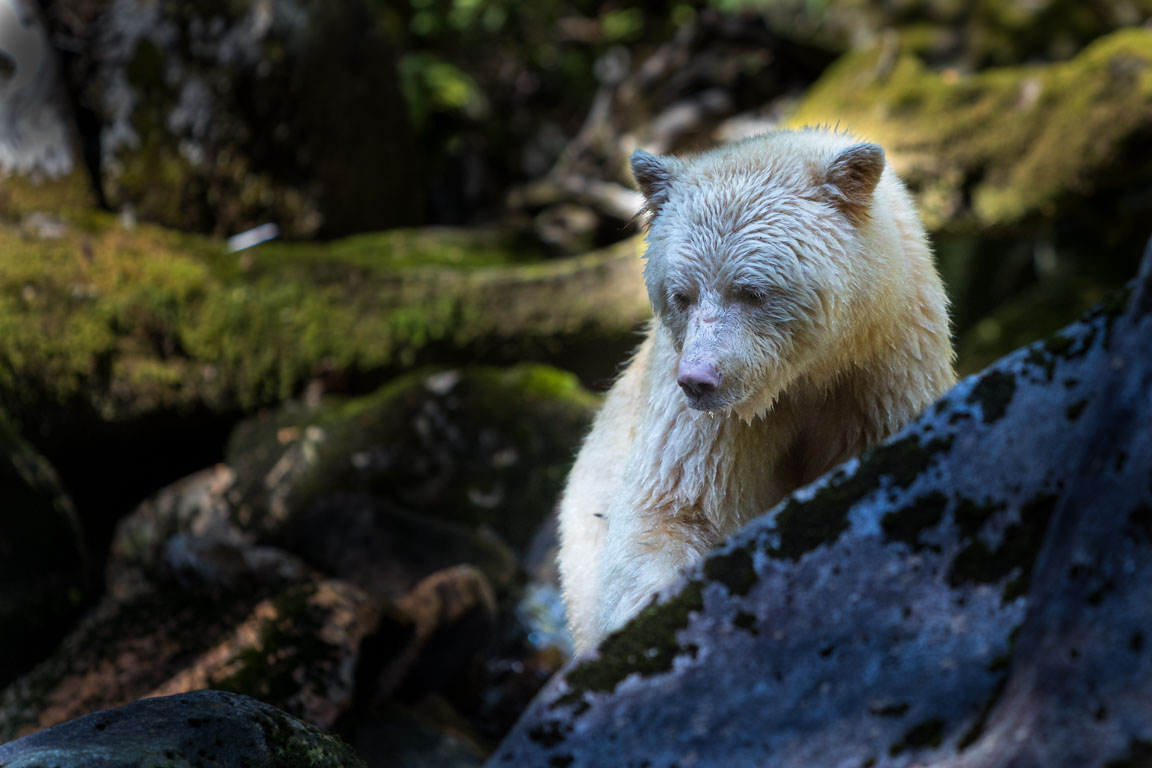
x=799 y=319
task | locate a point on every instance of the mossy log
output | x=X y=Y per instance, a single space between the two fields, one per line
x=126 y=322
x=972 y=592
x=993 y=148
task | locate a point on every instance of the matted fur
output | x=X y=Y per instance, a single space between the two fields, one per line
x=793 y=264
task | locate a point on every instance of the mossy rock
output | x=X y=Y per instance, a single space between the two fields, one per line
x=44 y=580
x=120 y=323
x=993 y=148
x=475 y=446
x=294 y=645
x=181 y=731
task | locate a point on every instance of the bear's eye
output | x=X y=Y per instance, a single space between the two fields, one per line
x=680 y=299
x=750 y=294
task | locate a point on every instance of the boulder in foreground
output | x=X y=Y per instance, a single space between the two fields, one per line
x=973 y=592
x=191 y=729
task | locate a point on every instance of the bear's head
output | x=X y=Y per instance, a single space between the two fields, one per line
x=756 y=255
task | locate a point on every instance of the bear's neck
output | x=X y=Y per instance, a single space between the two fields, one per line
x=717 y=471
x=713 y=470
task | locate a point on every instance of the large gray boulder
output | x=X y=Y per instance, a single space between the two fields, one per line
x=191 y=729
x=973 y=592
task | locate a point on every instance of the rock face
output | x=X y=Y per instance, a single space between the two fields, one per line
x=191 y=729
x=44 y=579
x=973 y=592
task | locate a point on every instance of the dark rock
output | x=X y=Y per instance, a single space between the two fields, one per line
x=974 y=591
x=190 y=729
x=452 y=615
x=386 y=550
x=401 y=737
x=44 y=580
x=296 y=646
x=184 y=538
x=478 y=447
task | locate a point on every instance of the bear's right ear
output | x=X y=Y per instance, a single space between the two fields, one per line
x=654 y=175
x=851 y=178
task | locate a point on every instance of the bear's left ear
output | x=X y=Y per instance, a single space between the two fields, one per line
x=852 y=176
x=654 y=175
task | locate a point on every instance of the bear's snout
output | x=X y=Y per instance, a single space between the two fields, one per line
x=698 y=380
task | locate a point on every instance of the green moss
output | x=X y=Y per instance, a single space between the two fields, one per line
x=128 y=321
x=69 y=195
x=1016 y=553
x=970 y=516
x=992 y=148
x=926 y=734
x=805 y=525
x=646 y=646
x=993 y=392
x=293 y=744
x=289 y=658
x=906 y=524
x=734 y=570
x=746 y=621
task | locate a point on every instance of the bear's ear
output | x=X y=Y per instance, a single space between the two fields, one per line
x=654 y=175
x=852 y=176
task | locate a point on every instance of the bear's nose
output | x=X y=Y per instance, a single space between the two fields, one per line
x=697 y=379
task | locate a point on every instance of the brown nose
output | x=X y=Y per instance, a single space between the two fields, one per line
x=697 y=379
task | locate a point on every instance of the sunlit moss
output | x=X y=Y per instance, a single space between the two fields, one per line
x=991 y=148
x=131 y=320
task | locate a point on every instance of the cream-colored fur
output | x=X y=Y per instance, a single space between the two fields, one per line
x=793 y=267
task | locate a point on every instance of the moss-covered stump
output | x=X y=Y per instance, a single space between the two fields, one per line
x=123 y=323
x=44 y=579
x=974 y=591
x=476 y=446
x=191 y=729
x=295 y=646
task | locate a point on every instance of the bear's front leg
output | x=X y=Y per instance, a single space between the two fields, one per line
x=643 y=553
